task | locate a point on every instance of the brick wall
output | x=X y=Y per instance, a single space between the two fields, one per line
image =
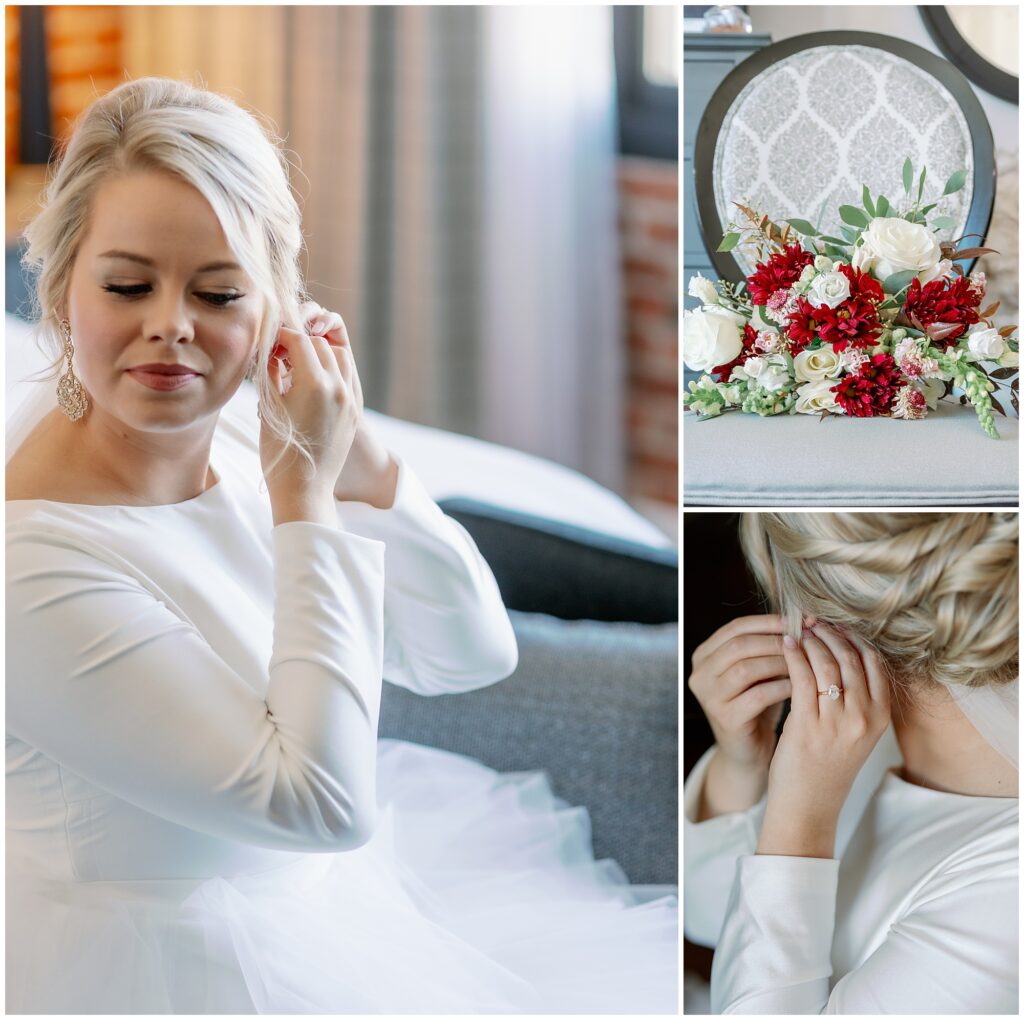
x=649 y=232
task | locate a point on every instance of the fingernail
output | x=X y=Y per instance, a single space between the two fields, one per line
x=788 y=641
x=317 y=326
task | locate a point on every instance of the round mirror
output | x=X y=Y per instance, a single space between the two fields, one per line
x=991 y=31
x=981 y=42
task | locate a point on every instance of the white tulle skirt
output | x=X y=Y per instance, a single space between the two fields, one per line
x=477 y=894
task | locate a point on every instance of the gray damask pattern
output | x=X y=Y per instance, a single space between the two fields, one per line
x=814 y=128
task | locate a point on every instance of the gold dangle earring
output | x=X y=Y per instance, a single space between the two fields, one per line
x=71 y=397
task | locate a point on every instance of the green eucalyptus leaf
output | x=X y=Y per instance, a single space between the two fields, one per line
x=852 y=215
x=955 y=182
x=834 y=252
x=850 y=234
x=882 y=207
x=895 y=283
x=868 y=204
x=920 y=183
x=908 y=175
x=944 y=222
x=803 y=227
x=729 y=242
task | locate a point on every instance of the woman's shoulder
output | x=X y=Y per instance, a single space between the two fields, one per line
x=41 y=469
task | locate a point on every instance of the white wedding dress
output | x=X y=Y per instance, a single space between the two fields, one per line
x=200 y=818
x=915 y=914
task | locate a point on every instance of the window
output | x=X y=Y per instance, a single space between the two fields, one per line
x=647 y=72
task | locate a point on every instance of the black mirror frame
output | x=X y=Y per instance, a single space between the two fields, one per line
x=980 y=214
x=966 y=58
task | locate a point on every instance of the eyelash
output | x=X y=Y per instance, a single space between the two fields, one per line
x=137 y=289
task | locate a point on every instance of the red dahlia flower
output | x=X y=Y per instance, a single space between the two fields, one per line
x=937 y=303
x=872 y=390
x=862 y=285
x=854 y=323
x=780 y=272
x=724 y=372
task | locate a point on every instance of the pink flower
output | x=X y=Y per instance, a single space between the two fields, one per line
x=977 y=286
x=912 y=363
x=768 y=341
x=910 y=403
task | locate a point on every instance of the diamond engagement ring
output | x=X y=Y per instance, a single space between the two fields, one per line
x=833 y=692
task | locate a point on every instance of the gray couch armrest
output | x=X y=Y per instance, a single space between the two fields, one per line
x=594 y=705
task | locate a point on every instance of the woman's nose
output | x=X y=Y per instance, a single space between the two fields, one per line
x=170 y=322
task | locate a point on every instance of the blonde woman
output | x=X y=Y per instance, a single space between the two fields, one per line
x=867 y=861
x=199 y=816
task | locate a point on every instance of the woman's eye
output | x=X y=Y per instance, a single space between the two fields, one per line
x=136 y=289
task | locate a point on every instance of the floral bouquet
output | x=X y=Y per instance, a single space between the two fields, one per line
x=880 y=321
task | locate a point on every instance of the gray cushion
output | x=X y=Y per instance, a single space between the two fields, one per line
x=592 y=704
x=586 y=574
x=792 y=460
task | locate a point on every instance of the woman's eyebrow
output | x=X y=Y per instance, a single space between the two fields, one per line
x=142 y=260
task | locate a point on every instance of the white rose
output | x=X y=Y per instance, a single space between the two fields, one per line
x=711 y=337
x=812 y=366
x=830 y=289
x=985 y=343
x=815 y=397
x=893 y=245
x=703 y=290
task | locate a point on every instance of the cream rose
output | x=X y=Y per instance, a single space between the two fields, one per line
x=985 y=343
x=815 y=397
x=711 y=337
x=893 y=245
x=703 y=290
x=812 y=366
x=830 y=289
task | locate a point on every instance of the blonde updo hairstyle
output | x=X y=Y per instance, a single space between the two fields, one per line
x=934 y=593
x=223 y=151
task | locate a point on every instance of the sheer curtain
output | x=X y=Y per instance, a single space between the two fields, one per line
x=457 y=168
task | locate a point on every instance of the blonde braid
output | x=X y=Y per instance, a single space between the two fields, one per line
x=935 y=593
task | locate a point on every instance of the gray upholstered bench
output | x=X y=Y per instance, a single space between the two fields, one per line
x=799 y=460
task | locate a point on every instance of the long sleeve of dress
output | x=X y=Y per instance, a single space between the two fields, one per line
x=953 y=951
x=120 y=688
x=711 y=850
x=446 y=627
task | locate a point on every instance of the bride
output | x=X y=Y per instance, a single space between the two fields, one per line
x=200 y=818
x=857 y=866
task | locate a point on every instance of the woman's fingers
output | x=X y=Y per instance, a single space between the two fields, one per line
x=767 y=624
x=747 y=646
x=877 y=676
x=299 y=350
x=749 y=673
x=823 y=664
x=848 y=659
x=805 y=689
x=753 y=701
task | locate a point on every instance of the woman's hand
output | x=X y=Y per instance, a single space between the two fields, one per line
x=319 y=397
x=370 y=473
x=824 y=743
x=740 y=677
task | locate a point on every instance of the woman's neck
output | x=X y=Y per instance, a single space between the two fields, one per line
x=943 y=751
